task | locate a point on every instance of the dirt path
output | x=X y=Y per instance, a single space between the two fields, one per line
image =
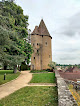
x=14 y=85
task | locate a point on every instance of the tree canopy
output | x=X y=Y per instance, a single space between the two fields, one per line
x=13 y=29
x=52 y=65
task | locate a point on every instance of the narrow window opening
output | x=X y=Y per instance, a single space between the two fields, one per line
x=37 y=51
x=34 y=57
x=46 y=43
x=49 y=56
x=33 y=44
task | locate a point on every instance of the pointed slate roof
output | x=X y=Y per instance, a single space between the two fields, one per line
x=41 y=30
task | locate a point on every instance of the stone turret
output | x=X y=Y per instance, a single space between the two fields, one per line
x=41 y=42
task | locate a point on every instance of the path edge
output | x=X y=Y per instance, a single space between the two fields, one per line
x=10 y=81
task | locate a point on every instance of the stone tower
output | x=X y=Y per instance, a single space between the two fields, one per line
x=41 y=43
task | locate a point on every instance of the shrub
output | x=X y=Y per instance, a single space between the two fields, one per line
x=24 y=66
x=49 y=70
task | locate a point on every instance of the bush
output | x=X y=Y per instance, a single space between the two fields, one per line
x=49 y=70
x=24 y=66
x=42 y=71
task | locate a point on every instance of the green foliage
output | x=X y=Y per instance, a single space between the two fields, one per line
x=0 y=66
x=13 y=30
x=24 y=66
x=49 y=70
x=52 y=65
x=12 y=17
x=4 y=37
x=68 y=65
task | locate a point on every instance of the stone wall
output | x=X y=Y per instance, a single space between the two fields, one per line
x=65 y=97
x=76 y=85
x=42 y=54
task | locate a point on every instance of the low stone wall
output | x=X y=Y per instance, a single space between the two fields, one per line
x=76 y=85
x=65 y=97
x=71 y=82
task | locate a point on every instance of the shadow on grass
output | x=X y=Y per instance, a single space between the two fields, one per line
x=2 y=72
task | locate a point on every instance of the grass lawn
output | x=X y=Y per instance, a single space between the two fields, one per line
x=9 y=76
x=32 y=96
x=43 y=78
x=39 y=71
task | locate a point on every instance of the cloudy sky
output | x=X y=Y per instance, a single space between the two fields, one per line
x=62 y=18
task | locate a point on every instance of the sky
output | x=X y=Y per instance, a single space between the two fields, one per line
x=62 y=19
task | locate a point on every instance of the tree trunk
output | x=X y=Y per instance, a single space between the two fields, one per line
x=19 y=68
x=5 y=67
x=15 y=69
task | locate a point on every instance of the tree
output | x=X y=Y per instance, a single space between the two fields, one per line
x=52 y=65
x=13 y=30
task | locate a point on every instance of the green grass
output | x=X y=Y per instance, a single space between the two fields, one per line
x=38 y=71
x=43 y=78
x=41 y=71
x=9 y=76
x=32 y=96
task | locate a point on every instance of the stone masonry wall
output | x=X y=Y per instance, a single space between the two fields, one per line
x=65 y=97
x=42 y=52
x=75 y=84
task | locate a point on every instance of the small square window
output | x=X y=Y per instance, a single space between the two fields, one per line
x=37 y=44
